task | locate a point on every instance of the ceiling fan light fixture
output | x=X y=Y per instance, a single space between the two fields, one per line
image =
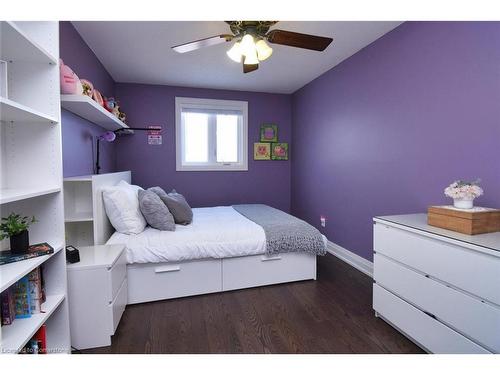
x=235 y=52
x=248 y=46
x=251 y=59
x=263 y=50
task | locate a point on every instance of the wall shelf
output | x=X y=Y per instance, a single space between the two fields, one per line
x=16 y=112
x=86 y=108
x=19 y=46
x=16 y=335
x=17 y=194
x=11 y=272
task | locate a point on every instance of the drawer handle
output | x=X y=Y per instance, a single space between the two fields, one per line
x=268 y=258
x=167 y=269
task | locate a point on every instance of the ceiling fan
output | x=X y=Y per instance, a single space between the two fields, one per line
x=251 y=46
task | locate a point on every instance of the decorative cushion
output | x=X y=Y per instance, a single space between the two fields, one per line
x=155 y=211
x=176 y=204
x=122 y=207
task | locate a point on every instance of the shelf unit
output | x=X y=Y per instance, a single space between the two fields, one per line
x=16 y=112
x=31 y=173
x=86 y=108
x=12 y=272
x=17 y=194
x=83 y=213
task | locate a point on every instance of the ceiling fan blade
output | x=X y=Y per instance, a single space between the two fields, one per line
x=207 y=42
x=289 y=38
x=250 y=67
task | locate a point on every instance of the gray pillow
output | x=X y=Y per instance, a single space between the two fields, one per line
x=155 y=211
x=177 y=205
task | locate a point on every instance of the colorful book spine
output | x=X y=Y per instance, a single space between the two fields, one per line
x=8 y=310
x=41 y=338
x=35 y=290
x=22 y=298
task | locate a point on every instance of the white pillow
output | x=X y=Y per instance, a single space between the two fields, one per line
x=122 y=207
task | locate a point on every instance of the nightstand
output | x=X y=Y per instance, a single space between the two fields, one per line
x=97 y=294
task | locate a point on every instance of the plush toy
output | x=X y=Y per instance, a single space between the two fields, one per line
x=88 y=87
x=96 y=95
x=109 y=104
x=70 y=83
x=116 y=110
x=121 y=116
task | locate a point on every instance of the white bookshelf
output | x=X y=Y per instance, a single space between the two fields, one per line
x=16 y=112
x=14 y=271
x=31 y=173
x=17 y=194
x=84 y=216
x=84 y=107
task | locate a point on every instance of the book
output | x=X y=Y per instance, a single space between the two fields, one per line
x=37 y=344
x=36 y=250
x=35 y=290
x=41 y=337
x=8 y=312
x=22 y=298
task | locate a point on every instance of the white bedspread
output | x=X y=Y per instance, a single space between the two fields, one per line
x=216 y=232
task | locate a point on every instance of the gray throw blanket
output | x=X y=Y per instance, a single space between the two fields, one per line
x=284 y=232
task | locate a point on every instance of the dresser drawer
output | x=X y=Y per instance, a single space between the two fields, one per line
x=250 y=271
x=150 y=282
x=117 y=307
x=450 y=263
x=116 y=275
x=428 y=332
x=477 y=320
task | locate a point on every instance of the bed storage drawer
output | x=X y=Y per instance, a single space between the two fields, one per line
x=250 y=271
x=157 y=281
x=450 y=263
x=425 y=330
x=475 y=319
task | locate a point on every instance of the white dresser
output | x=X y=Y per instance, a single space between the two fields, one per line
x=439 y=288
x=97 y=288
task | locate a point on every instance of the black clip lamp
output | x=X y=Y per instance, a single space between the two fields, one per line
x=110 y=136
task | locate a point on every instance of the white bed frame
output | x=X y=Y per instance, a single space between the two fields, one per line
x=157 y=281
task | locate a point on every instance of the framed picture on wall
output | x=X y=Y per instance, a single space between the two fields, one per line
x=279 y=151
x=269 y=133
x=261 y=151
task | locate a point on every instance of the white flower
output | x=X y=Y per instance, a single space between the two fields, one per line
x=463 y=190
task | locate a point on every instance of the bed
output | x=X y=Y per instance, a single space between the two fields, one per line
x=220 y=250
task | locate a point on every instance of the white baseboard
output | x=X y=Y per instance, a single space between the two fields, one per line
x=360 y=263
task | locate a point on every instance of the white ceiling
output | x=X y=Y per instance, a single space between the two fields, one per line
x=140 y=52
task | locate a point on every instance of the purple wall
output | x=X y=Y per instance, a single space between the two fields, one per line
x=77 y=133
x=265 y=181
x=388 y=129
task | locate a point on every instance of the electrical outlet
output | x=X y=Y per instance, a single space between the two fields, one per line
x=323 y=220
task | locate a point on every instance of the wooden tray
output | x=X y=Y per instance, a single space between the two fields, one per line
x=474 y=221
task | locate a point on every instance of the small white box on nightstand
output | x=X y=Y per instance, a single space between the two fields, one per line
x=97 y=294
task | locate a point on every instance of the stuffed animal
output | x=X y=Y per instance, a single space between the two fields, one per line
x=116 y=110
x=88 y=87
x=121 y=116
x=109 y=104
x=96 y=95
x=70 y=83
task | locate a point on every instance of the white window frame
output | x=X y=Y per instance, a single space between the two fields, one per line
x=211 y=104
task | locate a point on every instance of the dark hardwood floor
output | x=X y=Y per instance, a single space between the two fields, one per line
x=331 y=315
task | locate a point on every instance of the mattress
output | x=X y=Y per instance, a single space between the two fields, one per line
x=216 y=232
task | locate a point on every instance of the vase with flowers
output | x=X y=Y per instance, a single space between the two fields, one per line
x=464 y=193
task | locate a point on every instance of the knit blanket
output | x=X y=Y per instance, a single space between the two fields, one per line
x=284 y=233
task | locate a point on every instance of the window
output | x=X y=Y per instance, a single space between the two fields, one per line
x=211 y=135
